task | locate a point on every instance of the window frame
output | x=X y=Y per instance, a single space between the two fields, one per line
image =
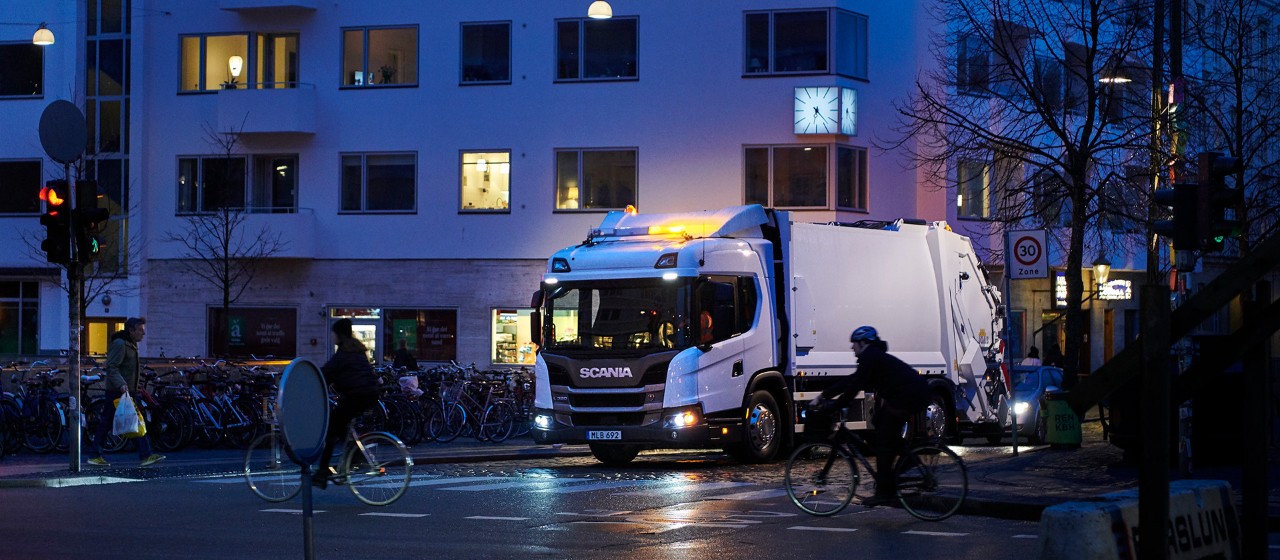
x=835 y=64
x=582 y=191
x=257 y=177
x=203 y=55
x=199 y=195
x=965 y=166
x=364 y=183
x=40 y=79
x=33 y=192
x=364 y=49
x=582 y=50
x=462 y=175
x=832 y=170
x=462 y=53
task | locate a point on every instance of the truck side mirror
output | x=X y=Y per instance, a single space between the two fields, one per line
x=535 y=318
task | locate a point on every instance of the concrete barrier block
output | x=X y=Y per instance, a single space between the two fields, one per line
x=1202 y=524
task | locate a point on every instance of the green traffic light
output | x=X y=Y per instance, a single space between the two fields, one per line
x=1216 y=239
x=93 y=246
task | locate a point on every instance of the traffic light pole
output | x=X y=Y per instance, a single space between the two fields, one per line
x=73 y=345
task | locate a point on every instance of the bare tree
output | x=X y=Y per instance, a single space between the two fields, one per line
x=1036 y=114
x=1233 y=102
x=218 y=244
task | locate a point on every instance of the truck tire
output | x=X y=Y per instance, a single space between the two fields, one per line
x=614 y=454
x=762 y=431
x=1036 y=437
x=937 y=425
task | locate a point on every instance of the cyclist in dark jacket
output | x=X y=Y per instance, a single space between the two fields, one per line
x=352 y=377
x=901 y=392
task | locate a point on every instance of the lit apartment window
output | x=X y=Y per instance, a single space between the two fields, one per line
x=276 y=63
x=486 y=181
x=379 y=182
x=380 y=56
x=595 y=179
x=213 y=62
x=21 y=70
x=20 y=186
x=798 y=177
x=486 y=53
x=206 y=184
x=597 y=49
x=972 y=194
x=799 y=42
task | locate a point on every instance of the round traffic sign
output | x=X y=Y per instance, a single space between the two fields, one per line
x=1027 y=250
x=302 y=410
x=62 y=131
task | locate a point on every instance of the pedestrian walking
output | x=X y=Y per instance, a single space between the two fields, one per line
x=123 y=370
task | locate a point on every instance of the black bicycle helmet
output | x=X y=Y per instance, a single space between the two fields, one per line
x=865 y=333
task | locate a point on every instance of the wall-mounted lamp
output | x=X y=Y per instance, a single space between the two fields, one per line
x=106 y=300
x=43 y=36
x=236 y=64
x=1101 y=269
x=600 y=10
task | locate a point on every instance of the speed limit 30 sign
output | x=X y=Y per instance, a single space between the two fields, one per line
x=1029 y=254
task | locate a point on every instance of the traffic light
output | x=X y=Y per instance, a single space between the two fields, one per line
x=1184 y=225
x=57 y=222
x=1216 y=198
x=89 y=216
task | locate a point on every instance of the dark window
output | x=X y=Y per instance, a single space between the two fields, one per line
x=255 y=331
x=380 y=56
x=431 y=335
x=798 y=177
x=206 y=184
x=19 y=308
x=589 y=49
x=851 y=178
x=379 y=182
x=20 y=187
x=595 y=179
x=486 y=53
x=275 y=184
x=789 y=42
x=21 y=70
x=973 y=66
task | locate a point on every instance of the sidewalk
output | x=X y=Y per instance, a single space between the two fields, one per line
x=1000 y=484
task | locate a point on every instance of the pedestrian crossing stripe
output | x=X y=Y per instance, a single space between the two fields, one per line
x=935 y=534
x=829 y=529
x=496 y=518
x=384 y=514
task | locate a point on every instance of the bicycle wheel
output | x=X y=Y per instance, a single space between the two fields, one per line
x=377 y=468
x=271 y=474
x=103 y=410
x=453 y=422
x=932 y=482
x=820 y=478
x=210 y=417
x=499 y=422
x=15 y=429
x=169 y=428
x=44 y=426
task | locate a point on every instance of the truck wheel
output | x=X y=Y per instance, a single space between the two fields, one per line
x=1037 y=437
x=937 y=423
x=762 y=435
x=614 y=455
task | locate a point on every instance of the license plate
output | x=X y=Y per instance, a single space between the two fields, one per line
x=604 y=435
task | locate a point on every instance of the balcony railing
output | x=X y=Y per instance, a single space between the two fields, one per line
x=250 y=6
x=268 y=109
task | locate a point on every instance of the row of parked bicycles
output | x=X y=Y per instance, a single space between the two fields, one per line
x=222 y=404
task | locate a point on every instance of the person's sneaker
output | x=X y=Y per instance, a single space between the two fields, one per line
x=153 y=459
x=320 y=481
x=879 y=500
x=99 y=462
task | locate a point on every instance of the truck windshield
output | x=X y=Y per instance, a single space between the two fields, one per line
x=621 y=315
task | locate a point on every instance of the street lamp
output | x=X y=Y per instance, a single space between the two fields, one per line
x=43 y=36
x=600 y=10
x=1101 y=269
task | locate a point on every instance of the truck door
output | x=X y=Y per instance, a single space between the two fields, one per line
x=724 y=314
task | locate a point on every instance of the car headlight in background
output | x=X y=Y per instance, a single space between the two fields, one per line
x=1020 y=408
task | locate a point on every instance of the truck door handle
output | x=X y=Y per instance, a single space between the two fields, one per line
x=737 y=368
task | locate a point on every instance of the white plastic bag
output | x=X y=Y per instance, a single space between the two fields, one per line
x=128 y=421
x=409 y=386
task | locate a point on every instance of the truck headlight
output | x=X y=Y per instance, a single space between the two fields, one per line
x=682 y=418
x=1020 y=408
x=542 y=421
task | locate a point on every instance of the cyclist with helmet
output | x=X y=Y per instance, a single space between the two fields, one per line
x=901 y=393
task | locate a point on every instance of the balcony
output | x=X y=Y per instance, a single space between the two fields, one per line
x=296 y=228
x=285 y=110
x=246 y=7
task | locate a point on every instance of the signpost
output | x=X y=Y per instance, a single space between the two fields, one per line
x=302 y=412
x=1026 y=256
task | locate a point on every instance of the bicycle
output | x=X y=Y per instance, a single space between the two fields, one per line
x=822 y=477
x=374 y=465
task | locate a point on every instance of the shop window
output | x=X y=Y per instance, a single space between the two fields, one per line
x=512 y=338
x=379 y=182
x=591 y=49
x=20 y=186
x=261 y=332
x=19 y=309
x=798 y=177
x=21 y=70
x=798 y=42
x=206 y=184
x=486 y=53
x=595 y=179
x=486 y=181
x=431 y=335
x=380 y=56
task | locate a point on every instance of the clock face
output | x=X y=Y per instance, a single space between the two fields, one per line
x=817 y=110
x=849 y=112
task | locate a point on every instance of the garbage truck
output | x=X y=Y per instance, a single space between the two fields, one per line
x=711 y=329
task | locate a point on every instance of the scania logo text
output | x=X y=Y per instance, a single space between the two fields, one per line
x=594 y=372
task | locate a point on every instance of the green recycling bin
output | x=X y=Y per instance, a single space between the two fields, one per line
x=1062 y=425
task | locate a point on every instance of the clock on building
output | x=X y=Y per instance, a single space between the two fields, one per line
x=848 y=111
x=817 y=110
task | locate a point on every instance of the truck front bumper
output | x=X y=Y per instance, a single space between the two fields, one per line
x=706 y=433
